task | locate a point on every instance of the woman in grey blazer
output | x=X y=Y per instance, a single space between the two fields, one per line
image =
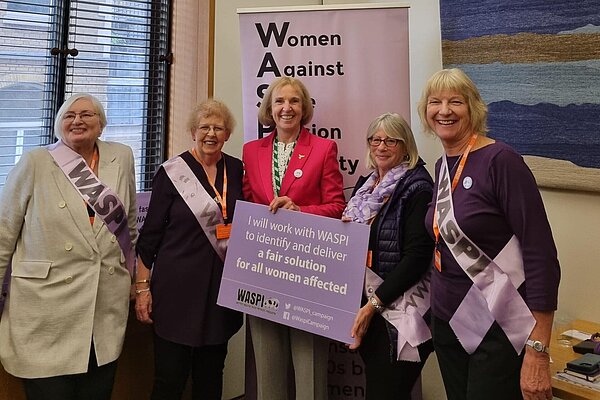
x=68 y=218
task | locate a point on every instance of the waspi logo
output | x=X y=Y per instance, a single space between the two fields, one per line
x=257 y=300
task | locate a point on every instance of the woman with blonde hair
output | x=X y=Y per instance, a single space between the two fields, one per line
x=495 y=286
x=298 y=171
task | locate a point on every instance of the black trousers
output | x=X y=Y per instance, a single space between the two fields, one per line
x=173 y=364
x=386 y=378
x=95 y=384
x=492 y=372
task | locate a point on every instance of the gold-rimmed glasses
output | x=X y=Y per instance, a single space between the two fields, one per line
x=204 y=129
x=86 y=116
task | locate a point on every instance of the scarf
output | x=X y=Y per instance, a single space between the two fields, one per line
x=370 y=197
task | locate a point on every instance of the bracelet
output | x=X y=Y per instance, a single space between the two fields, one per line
x=378 y=307
x=143 y=281
x=138 y=291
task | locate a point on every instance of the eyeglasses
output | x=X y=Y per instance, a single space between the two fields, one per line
x=389 y=142
x=204 y=129
x=84 y=115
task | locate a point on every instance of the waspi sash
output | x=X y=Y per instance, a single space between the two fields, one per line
x=493 y=295
x=103 y=200
x=203 y=206
x=406 y=314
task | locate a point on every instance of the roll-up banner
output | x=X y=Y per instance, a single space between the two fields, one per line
x=354 y=61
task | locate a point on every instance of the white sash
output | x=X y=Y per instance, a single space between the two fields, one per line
x=493 y=295
x=101 y=198
x=406 y=314
x=203 y=206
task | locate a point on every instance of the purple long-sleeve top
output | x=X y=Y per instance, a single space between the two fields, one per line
x=503 y=200
x=186 y=270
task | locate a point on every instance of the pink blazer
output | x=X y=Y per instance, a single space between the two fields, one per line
x=312 y=180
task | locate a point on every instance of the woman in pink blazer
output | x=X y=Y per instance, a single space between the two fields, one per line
x=295 y=170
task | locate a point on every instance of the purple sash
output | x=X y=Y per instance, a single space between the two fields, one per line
x=102 y=199
x=406 y=314
x=203 y=206
x=493 y=295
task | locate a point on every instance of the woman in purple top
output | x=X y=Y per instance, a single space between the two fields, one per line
x=180 y=298
x=495 y=285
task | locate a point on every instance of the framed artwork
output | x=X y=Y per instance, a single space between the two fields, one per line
x=537 y=66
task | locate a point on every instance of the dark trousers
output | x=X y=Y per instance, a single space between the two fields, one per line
x=386 y=378
x=492 y=372
x=95 y=384
x=173 y=364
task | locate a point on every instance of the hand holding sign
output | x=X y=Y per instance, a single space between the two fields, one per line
x=296 y=269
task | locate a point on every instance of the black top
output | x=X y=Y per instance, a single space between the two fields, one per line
x=417 y=249
x=402 y=248
x=186 y=270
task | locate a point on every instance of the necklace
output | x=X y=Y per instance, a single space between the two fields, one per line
x=451 y=172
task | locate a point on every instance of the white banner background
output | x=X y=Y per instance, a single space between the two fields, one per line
x=363 y=70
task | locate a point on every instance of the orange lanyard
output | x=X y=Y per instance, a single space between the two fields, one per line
x=436 y=229
x=95 y=158
x=221 y=199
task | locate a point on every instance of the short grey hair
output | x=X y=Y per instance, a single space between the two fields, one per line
x=98 y=109
x=394 y=127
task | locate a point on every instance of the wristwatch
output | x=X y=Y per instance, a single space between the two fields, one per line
x=537 y=346
x=378 y=307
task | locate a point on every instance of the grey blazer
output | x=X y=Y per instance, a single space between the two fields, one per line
x=69 y=283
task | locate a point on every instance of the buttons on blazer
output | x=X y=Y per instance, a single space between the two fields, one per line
x=68 y=246
x=69 y=279
x=113 y=238
x=62 y=204
x=111 y=270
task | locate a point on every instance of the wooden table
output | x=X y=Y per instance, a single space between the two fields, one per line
x=561 y=355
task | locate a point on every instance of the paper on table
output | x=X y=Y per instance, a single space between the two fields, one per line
x=579 y=381
x=574 y=333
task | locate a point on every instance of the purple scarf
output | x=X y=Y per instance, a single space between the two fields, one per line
x=368 y=200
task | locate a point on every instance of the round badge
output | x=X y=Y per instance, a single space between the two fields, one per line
x=467 y=182
x=298 y=173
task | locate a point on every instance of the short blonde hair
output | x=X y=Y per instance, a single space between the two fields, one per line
x=265 y=112
x=211 y=108
x=98 y=109
x=455 y=80
x=394 y=126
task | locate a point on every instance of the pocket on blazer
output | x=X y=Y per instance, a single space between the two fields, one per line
x=31 y=269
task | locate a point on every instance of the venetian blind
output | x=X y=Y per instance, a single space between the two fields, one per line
x=116 y=50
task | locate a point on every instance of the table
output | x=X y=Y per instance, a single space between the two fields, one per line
x=561 y=355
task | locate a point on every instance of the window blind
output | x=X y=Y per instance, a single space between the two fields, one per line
x=114 y=49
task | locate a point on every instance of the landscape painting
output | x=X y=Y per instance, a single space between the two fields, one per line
x=537 y=66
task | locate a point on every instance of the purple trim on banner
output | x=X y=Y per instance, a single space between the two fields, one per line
x=101 y=198
x=200 y=203
x=494 y=294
